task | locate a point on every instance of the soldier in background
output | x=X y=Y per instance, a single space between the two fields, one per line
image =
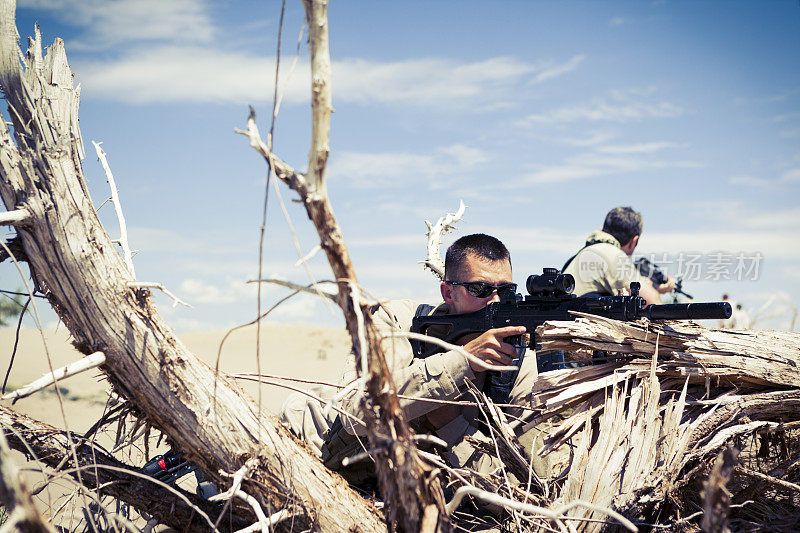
x=739 y=319
x=603 y=267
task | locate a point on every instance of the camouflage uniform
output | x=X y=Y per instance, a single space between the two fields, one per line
x=441 y=376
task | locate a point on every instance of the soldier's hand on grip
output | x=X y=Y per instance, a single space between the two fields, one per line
x=491 y=348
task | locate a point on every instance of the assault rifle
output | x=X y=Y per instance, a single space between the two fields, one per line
x=651 y=270
x=549 y=298
x=171 y=466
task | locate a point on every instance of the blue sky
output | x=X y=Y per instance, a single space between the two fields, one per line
x=540 y=115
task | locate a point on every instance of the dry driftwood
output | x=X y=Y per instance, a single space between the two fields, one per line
x=75 y=264
x=640 y=433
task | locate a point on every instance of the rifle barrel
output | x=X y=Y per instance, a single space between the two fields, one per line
x=696 y=311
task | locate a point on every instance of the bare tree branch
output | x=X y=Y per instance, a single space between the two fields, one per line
x=435 y=233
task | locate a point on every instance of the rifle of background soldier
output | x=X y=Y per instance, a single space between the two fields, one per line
x=658 y=276
x=550 y=298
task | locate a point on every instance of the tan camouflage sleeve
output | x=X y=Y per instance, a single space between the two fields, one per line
x=441 y=376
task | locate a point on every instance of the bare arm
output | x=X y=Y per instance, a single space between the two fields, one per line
x=649 y=293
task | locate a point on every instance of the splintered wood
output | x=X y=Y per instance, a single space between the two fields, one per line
x=671 y=398
x=759 y=358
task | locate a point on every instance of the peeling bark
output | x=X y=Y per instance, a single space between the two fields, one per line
x=77 y=267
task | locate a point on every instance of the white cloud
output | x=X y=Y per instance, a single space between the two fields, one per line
x=593 y=139
x=110 y=23
x=154 y=240
x=640 y=148
x=396 y=241
x=774 y=218
x=169 y=73
x=785 y=117
x=428 y=81
x=554 y=71
x=751 y=181
x=538 y=239
x=590 y=164
x=773 y=232
x=628 y=105
x=772 y=244
x=197 y=291
x=306 y=309
x=600 y=110
x=188 y=74
x=398 y=169
x=769 y=98
x=619 y=21
x=791 y=175
x=737 y=215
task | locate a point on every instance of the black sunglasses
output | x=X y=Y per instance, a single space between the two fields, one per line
x=481 y=289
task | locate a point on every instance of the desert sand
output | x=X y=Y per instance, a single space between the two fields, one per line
x=304 y=352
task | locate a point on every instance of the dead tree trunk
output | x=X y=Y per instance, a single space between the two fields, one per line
x=414 y=499
x=75 y=264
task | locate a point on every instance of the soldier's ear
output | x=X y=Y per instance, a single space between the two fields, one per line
x=447 y=293
x=630 y=246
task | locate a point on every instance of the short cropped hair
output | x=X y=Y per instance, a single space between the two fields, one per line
x=623 y=223
x=483 y=246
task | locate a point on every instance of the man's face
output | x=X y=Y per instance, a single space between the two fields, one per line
x=475 y=268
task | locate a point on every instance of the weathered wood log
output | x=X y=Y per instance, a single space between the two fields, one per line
x=50 y=446
x=77 y=267
x=759 y=357
x=640 y=435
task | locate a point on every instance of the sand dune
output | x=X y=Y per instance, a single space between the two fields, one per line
x=304 y=352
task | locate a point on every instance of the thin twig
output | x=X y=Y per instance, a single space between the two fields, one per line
x=16 y=343
x=263 y=226
x=151 y=479
x=296 y=242
x=496 y=499
x=273 y=519
x=310 y=289
x=14 y=218
x=266 y=381
x=123 y=228
x=15 y=293
x=250 y=376
x=230 y=331
x=82 y=365
x=763 y=477
x=311 y=253
x=159 y=286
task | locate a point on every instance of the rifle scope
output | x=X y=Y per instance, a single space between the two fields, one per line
x=550 y=281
